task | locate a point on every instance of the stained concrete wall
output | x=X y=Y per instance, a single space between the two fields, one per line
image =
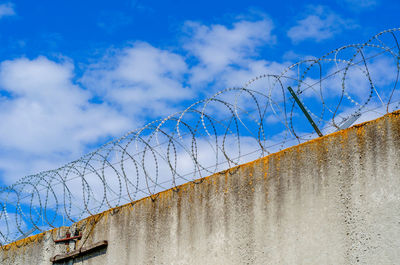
x=333 y=200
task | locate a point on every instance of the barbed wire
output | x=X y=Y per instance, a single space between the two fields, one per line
x=235 y=125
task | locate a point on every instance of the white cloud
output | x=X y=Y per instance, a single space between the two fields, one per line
x=7 y=10
x=358 y=5
x=218 y=48
x=292 y=56
x=253 y=68
x=140 y=78
x=47 y=118
x=382 y=71
x=320 y=24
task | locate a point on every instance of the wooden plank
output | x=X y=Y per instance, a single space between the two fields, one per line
x=79 y=252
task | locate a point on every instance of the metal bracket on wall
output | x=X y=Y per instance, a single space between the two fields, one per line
x=303 y=109
x=349 y=121
x=68 y=238
x=79 y=252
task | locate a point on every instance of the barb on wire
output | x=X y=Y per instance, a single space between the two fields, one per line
x=233 y=126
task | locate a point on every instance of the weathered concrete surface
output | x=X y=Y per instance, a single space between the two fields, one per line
x=333 y=200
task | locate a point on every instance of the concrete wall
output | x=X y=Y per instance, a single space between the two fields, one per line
x=333 y=200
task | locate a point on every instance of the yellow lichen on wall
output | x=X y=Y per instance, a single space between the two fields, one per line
x=28 y=240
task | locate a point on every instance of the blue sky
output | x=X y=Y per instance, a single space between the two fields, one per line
x=74 y=74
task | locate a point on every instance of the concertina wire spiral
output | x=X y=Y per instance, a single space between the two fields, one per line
x=235 y=125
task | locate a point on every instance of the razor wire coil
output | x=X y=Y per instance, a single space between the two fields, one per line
x=232 y=126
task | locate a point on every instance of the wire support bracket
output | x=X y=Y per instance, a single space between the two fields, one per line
x=303 y=109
